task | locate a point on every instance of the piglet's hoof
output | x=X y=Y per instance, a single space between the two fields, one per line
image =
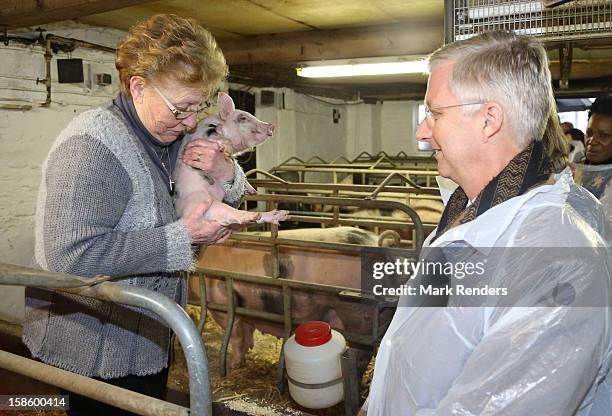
x=274 y=216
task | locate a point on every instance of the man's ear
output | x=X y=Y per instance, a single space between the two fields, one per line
x=137 y=85
x=493 y=120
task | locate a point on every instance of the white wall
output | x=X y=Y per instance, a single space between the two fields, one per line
x=304 y=128
x=388 y=126
x=26 y=136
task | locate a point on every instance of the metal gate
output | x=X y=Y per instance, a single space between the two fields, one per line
x=100 y=287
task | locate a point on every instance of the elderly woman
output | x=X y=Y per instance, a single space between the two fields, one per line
x=105 y=207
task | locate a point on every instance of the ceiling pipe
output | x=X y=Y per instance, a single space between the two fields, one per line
x=47 y=80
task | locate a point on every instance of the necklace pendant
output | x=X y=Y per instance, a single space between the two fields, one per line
x=171 y=182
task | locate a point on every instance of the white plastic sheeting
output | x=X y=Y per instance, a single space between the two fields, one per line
x=598 y=180
x=539 y=358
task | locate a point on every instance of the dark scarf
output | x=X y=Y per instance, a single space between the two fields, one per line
x=528 y=169
x=158 y=151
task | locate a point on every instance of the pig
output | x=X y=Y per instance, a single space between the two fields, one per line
x=235 y=131
x=428 y=210
x=308 y=265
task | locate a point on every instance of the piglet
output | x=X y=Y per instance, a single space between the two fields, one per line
x=235 y=131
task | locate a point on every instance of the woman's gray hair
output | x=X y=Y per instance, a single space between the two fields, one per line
x=509 y=69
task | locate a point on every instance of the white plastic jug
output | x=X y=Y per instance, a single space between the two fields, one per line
x=312 y=357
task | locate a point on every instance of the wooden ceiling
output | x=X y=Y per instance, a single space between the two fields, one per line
x=264 y=40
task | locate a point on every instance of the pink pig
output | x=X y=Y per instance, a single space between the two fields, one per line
x=235 y=131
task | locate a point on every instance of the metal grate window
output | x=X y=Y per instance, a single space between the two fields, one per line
x=579 y=19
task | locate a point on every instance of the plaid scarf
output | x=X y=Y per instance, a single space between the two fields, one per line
x=528 y=169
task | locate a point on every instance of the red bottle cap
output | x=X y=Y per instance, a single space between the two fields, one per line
x=313 y=333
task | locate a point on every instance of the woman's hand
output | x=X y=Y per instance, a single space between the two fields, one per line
x=203 y=231
x=210 y=157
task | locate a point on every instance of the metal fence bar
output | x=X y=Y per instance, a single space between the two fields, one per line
x=344 y=188
x=370 y=174
x=169 y=311
x=416 y=220
x=229 y=327
x=12 y=274
x=385 y=301
x=332 y=169
x=85 y=386
x=350 y=382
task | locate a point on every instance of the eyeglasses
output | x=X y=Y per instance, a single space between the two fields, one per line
x=429 y=116
x=181 y=114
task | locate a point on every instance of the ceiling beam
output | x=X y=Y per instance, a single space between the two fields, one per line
x=581 y=88
x=283 y=76
x=315 y=45
x=347 y=94
x=584 y=68
x=24 y=13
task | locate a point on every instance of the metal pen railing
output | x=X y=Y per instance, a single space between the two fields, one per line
x=275 y=242
x=368 y=175
x=101 y=288
x=367 y=160
x=408 y=193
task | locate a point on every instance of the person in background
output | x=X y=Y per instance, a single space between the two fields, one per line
x=105 y=208
x=544 y=347
x=594 y=172
x=575 y=139
x=566 y=126
x=599 y=132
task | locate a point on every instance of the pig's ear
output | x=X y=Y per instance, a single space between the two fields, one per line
x=226 y=105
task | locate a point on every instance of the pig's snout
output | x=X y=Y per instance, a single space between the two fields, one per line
x=265 y=128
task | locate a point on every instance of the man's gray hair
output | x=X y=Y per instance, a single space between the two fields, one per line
x=506 y=68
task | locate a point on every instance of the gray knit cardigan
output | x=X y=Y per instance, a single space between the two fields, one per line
x=104 y=209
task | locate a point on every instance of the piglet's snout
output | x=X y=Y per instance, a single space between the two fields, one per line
x=265 y=128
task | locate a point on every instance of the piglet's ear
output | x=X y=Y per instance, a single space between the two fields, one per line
x=226 y=105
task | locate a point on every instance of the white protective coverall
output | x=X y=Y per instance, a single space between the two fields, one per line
x=598 y=180
x=528 y=360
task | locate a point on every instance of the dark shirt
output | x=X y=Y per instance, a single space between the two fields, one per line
x=162 y=154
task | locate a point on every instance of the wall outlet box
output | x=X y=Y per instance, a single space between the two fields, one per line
x=103 y=79
x=335 y=116
x=267 y=98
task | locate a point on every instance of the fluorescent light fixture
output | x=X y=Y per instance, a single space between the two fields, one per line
x=364 y=69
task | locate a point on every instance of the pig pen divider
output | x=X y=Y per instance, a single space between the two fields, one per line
x=382 y=161
x=400 y=159
x=101 y=288
x=366 y=160
x=382 y=192
x=336 y=219
x=368 y=175
x=344 y=294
